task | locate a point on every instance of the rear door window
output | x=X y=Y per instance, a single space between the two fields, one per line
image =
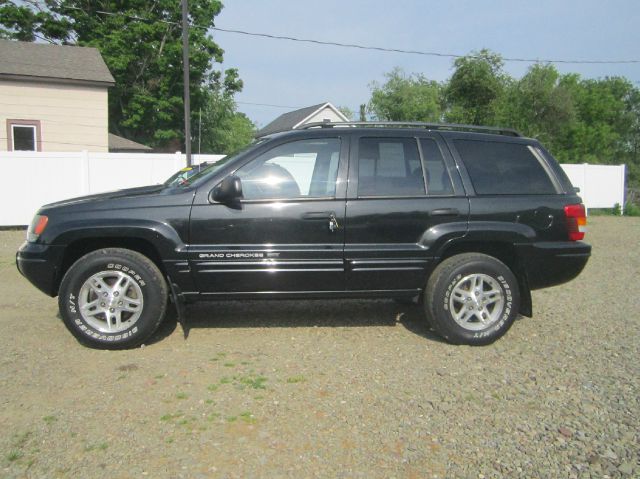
x=438 y=180
x=502 y=168
x=389 y=167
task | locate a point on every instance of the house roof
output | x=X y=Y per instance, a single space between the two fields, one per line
x=292 y=119
x=118 y=143
x=58 y=63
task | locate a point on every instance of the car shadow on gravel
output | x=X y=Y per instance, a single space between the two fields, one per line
x=305 y=314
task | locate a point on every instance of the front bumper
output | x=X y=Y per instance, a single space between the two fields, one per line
x=552 y=263
x=40 y=264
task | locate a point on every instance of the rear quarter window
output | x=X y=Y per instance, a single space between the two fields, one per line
x=501 y=168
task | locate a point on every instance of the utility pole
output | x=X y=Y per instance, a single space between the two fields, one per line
x=185 y=79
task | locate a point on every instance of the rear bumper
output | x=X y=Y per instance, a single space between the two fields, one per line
x=552 y=263
x=40 y=265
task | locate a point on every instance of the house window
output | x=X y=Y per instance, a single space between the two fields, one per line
x=23 y=135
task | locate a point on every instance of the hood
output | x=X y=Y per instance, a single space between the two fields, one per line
x=110 y=195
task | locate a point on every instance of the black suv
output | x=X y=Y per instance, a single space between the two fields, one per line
x=468 y=219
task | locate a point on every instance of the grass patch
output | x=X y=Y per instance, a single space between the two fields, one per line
x=213 y=416
x=100 y=446
x=170 y=417
x=49 y=419
x=296 y=379
x=229 y=364
x=247 y=417
x=182 y=395
x=184 y=421
x=254 y=382
x=231 y=418
x=225 y=380
x=14 y=455
x=209 y=401
x=213 y=387
x=159 y=376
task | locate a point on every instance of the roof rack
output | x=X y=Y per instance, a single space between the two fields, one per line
x=415 y=124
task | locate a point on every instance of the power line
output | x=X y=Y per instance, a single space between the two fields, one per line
x=269 y=105
x=356 y=45
x=413 y=52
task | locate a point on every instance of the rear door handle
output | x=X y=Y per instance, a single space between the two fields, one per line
x=445 y=212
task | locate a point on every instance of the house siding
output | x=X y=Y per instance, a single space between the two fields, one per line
x=72 y=117
x=325 y=113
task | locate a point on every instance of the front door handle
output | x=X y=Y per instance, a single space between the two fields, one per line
x=445 y=212
x=333 y=223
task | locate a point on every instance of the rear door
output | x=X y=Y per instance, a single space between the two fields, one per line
x=287 y=234
x=405 y=200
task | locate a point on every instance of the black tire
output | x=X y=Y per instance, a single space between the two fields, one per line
x=446 y=298
x=122 y=278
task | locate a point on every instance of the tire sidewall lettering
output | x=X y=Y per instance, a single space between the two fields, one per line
x=86 y=329
x=507 y=309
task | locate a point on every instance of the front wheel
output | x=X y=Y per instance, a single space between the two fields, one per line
x=113 y=298
x=472 y=298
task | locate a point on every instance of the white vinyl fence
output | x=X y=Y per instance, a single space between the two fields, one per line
x=601 y=186
x=32 y=179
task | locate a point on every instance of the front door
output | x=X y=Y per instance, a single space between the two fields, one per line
x=405 y=200
x=287 y=233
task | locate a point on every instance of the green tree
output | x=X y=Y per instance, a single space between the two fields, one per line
x=219 y=127
x=348 y=112
x=406 y=98
x=475 y=88
x=140 y=42
x=538 y=105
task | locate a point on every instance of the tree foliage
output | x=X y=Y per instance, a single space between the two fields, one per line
x=406 y=97
x=579 y=120
x=220 y=128
x=475 y=88
x=141 y=44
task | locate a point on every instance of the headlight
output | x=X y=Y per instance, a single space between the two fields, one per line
x=36 y=228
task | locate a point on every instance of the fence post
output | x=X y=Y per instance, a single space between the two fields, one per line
x=84 y=173
x=622 y=191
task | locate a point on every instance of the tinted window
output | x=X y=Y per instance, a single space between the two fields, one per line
x=389 y=167
x=498 y=168
x=299 y=169
x=438 y=180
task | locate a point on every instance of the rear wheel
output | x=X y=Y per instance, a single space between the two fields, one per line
x=113 y=298
x=472 y=299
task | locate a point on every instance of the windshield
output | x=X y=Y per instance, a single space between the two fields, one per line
x=196 y=175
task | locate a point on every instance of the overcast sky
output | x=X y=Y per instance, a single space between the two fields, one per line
x=299 y=74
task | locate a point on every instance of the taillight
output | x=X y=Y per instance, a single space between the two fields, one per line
x=38 y=225
x=576 y=221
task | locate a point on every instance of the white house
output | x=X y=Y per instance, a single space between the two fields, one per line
x=311 y=114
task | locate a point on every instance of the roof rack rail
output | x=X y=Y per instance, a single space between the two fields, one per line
x=415 y=124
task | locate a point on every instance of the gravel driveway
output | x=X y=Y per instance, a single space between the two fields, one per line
x=341 y=389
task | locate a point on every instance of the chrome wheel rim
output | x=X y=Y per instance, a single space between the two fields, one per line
x=476 y=302
x=110 y=301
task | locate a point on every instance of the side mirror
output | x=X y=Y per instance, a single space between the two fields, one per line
x=228 y=190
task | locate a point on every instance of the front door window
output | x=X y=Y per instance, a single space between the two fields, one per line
x=300 y=169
